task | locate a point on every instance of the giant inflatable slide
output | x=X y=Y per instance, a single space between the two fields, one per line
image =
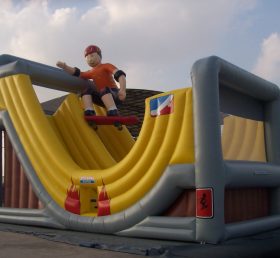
x=199 y=150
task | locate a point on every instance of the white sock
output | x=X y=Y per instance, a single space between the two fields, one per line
x=112 y=108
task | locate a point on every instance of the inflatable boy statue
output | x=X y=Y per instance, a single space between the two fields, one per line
x=104 y=77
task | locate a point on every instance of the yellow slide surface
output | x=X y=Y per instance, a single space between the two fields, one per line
x=243 y=139
x=107 y=164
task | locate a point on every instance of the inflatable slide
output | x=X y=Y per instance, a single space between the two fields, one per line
x=104 y=181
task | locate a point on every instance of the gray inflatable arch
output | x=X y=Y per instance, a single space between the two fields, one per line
x=221 y=86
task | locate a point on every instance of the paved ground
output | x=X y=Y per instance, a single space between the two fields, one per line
x=30 y=242
x=18 y=245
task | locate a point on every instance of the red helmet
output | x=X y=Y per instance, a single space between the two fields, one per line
x=93 y=49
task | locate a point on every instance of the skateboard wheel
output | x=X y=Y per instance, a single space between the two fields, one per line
x=93 y=125
x=118 y=125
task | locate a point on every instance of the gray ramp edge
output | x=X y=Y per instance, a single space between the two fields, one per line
x=31 y=217
x=252 y=227
x=251 y=174
x=42 y=75
x=34 y=217
x=171 y=184
x=170 y=228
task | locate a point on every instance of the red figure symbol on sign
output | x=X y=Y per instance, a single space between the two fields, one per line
x=203 y=202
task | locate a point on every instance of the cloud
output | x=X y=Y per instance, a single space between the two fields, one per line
x=155 y=42
x=268 y=63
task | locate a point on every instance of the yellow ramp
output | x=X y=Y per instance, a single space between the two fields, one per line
x=63 y=149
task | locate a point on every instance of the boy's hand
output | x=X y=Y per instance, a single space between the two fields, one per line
x=60 y=64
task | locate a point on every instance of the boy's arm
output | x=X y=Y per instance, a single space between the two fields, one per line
x=120 y=77
x=122 y=91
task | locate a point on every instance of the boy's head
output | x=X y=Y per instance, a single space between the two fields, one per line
x=93 y=55
x=93 y=49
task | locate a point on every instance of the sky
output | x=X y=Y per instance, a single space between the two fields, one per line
x=155 y=42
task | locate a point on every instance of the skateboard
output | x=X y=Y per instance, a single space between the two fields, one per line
x=117 y=121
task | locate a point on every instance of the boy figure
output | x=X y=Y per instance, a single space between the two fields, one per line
x=102 y=76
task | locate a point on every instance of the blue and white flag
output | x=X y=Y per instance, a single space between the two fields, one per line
x=162 y=105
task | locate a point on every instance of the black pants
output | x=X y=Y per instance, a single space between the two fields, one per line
x=96 y=96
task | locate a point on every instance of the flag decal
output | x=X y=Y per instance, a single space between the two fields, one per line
x=163 y=105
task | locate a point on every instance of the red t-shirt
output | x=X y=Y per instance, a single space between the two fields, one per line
x=102 y=75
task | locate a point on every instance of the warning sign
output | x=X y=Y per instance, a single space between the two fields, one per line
x=204 y=203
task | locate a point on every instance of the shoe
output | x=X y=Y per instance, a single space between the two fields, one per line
x=89 y=113
x=113 y=112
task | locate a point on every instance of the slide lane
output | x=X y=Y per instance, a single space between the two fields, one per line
x=63 y=149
